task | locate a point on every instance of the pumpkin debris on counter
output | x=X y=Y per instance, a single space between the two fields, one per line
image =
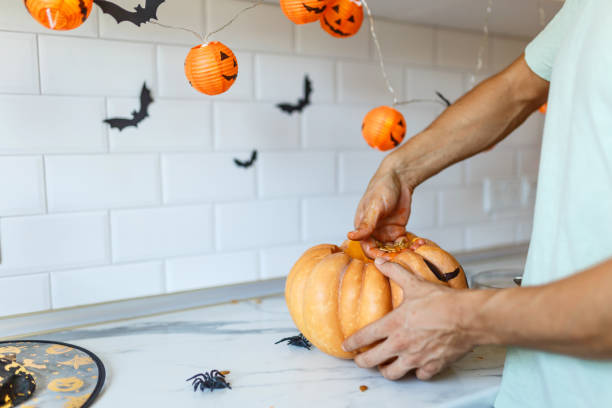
x=332 y=291
x=363 y=388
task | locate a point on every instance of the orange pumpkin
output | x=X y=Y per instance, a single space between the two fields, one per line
x=332 y=291
x=342 y=18
x=303 y=11
x=211 y=68
x=384 y=128
x=59 y=14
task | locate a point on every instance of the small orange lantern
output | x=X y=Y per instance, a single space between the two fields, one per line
x=211 y=68
x=303 y=11
x=384 y=128
x=543 y=109
x=59 y=14
x=342 y=18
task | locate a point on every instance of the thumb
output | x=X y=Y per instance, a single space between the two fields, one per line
x=398 y=274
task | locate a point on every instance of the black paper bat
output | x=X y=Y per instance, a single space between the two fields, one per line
x=140 y=16
x=137 y=116
x=248 y=163
x=446 y=101
x=302 y=102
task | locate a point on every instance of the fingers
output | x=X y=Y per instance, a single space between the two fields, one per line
x=429 y=370
x=365 y=221
x=397 y=369
x=362 y=232
x=404 y=278
x=376 y=355
x=368 y=335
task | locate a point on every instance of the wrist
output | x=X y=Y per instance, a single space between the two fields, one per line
x=474 y=319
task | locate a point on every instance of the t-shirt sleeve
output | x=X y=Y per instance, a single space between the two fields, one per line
x=541 y=53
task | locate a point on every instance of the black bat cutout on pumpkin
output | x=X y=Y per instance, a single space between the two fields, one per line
x=140 y=16
x=446 y=101
x=137 y=116
x=248 y=163
x=316 y=10
x=444 y=277
x=302 y=102
x=334 y=29
x=230 y=77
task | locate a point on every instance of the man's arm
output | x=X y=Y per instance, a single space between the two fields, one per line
x=435 y=325
x=571 y=316
x=480 y=119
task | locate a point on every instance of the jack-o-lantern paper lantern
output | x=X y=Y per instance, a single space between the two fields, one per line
x=543 y=109
x=384 y=128
x=342 y=18
x=303 y=11
x=211 y=68
x=331 y=292
x=59 y=14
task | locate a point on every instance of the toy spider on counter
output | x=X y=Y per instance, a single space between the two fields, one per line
x=298 y=341
x=212 y=380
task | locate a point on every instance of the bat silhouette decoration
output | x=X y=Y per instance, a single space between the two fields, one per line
x=140 y=16
x=446 y=101
x=302 y=102
x=137 y=116
x=247 y=163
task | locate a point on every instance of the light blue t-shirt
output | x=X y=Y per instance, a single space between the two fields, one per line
x=573 y=216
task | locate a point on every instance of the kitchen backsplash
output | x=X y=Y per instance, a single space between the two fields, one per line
x=89 y=214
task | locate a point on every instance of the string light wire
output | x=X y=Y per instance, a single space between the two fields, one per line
x=381 y=63
x=204 y=38
x=198 y=35
x=484 y=43
x=252 y=6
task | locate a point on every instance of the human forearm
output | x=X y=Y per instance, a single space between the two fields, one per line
x=570 y=316
x=481 y=118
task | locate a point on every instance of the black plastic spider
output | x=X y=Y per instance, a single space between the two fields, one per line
x=298 y=341
x=213 y=380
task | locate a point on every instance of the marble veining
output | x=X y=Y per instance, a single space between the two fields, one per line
x=149 y=359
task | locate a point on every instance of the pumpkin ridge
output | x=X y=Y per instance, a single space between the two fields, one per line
x=340 y=292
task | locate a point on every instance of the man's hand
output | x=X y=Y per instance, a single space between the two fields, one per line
x=384 y=210
x=423 y=333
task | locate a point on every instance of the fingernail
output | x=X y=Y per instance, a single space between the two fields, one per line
x=380 y=261
x=343 y=348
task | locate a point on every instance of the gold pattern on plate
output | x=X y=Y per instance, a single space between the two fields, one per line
x=77 y=361
x=65 y=384
x=58 y=349
x=28 y=362
x=10 y=350
x=76 y=402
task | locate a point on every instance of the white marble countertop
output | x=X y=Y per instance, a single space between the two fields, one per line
x=149 y=359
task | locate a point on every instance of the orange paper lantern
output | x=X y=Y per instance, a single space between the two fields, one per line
x=59 y=14
x=543 y=109
x=342 y=18
x=211 y=68
x=303 y=11
x=384 y=128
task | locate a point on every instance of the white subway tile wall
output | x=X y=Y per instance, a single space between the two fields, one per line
x=91 y=214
